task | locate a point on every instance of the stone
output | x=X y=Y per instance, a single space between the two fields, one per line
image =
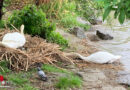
x=79 y=32
x=82 y=21
x=93 y=37
x=91 y=75
x=123 y=77
x=95 y=21
x=103 y=36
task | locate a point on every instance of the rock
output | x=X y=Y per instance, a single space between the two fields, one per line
x=95 y=21
x=103 y=36
x=79 y=32
x=91 y=75
x=93 y=37
x=123 y=77
x=82 y=21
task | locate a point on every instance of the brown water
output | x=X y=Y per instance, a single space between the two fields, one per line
x=120 y=45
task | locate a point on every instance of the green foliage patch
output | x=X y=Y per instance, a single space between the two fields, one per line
x=4 y=68
x=18 y=79
x=68 y=82
x=36 y=24
x=121 y=9
x=50 y=68
x=2 y=24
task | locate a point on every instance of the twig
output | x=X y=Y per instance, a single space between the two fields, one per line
x=14 y=27
x=2 y=69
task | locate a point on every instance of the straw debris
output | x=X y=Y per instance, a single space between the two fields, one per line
x=36 y=50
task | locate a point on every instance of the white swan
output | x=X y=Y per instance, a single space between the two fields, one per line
x=100 y=57
x=15 y=39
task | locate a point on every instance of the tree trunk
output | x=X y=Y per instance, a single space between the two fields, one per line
x=1 y=5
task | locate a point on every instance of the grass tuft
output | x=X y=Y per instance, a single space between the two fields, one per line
x=69 y=82
x=4 y=68
x=18 y=79
x=27 y=87
x=50 y=68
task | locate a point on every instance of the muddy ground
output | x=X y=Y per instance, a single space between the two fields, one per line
x=95 y=76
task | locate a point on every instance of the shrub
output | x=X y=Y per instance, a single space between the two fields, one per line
x=57 y=38
x=36 y=24
x=89 y=8
x=34 y=20
x=2 y=24
x=69 y=21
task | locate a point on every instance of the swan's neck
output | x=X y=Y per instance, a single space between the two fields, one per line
x=3 y=44
x=22 y=29
x=82 y=57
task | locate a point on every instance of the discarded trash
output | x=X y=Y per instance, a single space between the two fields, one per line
x=2 y=82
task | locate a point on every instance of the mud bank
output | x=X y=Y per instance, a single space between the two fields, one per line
x=95 y=76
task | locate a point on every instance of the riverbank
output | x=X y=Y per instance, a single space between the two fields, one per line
x=95 y=76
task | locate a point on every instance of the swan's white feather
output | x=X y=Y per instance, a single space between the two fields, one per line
x=100 y=57
x=15 y=39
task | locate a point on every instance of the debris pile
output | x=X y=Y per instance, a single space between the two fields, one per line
x=36 y=50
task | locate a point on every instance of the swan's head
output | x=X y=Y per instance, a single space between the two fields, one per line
x=116 y=58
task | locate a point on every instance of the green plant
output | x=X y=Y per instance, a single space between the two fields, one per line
x=2 y=24
x=27 y=87
x=54 y=9
x=57 y=38
x=68 y=82
x=50 y=68
x=18 y=79
x=4 y=67
x=69 y=20
x=36 y=24
x=120 y=7
x=34 y=20
x=87 y=8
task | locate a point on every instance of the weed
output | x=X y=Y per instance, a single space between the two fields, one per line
x=57 y=38
x=18 y=79
x=27 y=87
x=4 y=67
x=50 y=68
x=69 y=82
x=2 y=24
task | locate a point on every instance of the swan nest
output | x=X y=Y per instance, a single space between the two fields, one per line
x=37 y=50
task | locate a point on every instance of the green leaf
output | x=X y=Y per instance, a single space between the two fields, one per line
x=106 y=13
x=116 y=13
x=121 y=17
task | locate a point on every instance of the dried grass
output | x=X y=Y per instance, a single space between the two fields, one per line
x=37 y=50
